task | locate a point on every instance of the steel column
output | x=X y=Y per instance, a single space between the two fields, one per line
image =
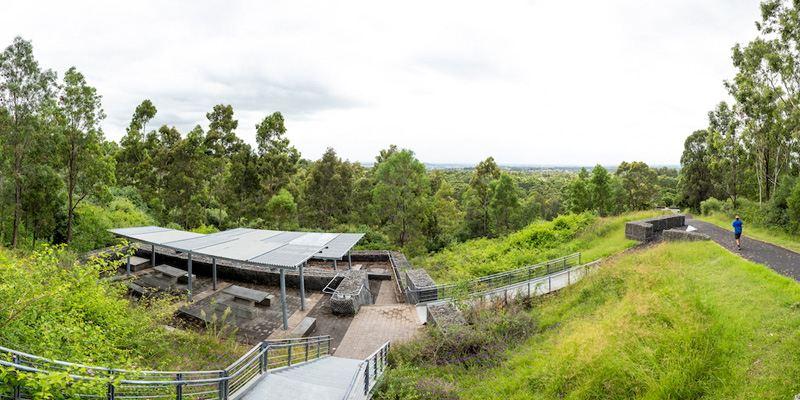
x=334 y=265
x=302 y=289
x=129 y=265
x=190 y=276
x=283 y=300
x=349 y=260
x=153 y=256
x=214 y=271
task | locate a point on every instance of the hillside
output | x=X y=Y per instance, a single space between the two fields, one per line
x=594 y=237
x=677 y=320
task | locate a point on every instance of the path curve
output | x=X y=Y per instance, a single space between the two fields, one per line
x=780 y=260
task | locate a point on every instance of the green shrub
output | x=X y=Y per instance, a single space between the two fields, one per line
x=710 y=205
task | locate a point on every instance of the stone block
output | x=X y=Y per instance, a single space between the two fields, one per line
x=351 y=294
x=421 y=287
x=676 y=235
x=305 y=328
x=638 y=230
x=444 y=315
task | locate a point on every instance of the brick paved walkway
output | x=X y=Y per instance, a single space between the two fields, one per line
x=376 y=324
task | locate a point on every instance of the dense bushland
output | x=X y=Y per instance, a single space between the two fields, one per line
x=678 y=320
x=55 y=307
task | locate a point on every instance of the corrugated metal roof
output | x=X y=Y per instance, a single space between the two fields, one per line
x=340 y=245
x=265 y=247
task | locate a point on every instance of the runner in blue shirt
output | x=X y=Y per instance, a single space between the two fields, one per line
x=737 y=231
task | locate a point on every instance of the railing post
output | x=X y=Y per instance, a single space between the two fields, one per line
x=375 y=367
x=262 y=358
x=568 y=278
x=179 y=388
x=17 y=389
x=306 y=350
x=289 y=355
x=319 y=348
x=223 y=385
x=111 y=386
x=366 y=379
x=579 y=259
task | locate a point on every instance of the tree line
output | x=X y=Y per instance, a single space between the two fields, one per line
x=746 y=160
x=58 y=172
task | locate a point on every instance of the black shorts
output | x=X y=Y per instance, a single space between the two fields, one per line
x=737 y=235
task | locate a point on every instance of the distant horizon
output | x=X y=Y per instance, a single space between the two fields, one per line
x=446 y=165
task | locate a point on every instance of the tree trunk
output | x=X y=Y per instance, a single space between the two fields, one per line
x=17 y=196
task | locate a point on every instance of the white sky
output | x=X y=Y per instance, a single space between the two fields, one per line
x=537 y=82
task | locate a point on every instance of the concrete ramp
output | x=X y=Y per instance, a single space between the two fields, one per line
x=326 y=378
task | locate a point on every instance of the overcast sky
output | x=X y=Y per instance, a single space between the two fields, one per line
x=537 y=82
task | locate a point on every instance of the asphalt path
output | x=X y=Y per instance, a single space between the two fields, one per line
x=780 y=260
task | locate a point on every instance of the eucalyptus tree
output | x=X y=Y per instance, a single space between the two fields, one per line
x=401 y=191
x=133 y=158
x=243 y=186
x=329 y=189
x=724 y=148
x=25 y=89
x=505 y=201
x=88 y=169
x=600 y=190
x=221 y=140
x=277 y=157
x=639 y=182
x=767 y=91
x=477 y=200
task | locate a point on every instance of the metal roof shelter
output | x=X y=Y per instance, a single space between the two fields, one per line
x=261 y=248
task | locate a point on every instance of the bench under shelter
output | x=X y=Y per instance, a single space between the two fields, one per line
x=266 y=249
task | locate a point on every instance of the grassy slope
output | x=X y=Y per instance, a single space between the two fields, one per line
x=601 y=238
x=680 y=320
x=771 y=235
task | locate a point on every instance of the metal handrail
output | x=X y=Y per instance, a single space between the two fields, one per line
x=499 y=280
x=375 y=362
x=269 y=355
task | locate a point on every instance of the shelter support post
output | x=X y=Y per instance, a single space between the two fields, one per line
x=302 y=289
x=214 y=271
x=283 y=300
x=152 y=256
x=334 y=265
x=190 y=277
x=349 y=260
x=129 y=265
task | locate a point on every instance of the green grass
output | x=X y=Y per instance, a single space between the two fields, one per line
x=679 y=320
x=767 y=234
x=594 y=237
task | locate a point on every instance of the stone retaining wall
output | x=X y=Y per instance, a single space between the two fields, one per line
x=645 y=230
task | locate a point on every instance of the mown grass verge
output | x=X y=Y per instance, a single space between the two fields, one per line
x=767 y=234
x=594 y=237
x=679 y=320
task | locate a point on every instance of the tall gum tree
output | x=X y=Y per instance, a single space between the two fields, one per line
x=88 y=169
x=24 y=90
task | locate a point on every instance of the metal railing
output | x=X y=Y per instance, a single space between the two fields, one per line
x=489 y=283
x=368 y=374
x=110 y=383
x=537 y=286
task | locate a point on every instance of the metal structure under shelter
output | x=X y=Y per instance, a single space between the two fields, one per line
x=260 y=248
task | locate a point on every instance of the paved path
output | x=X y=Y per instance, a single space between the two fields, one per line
x=323 y=379
x=780 y=260
x=374 y=325
x=386 y=294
